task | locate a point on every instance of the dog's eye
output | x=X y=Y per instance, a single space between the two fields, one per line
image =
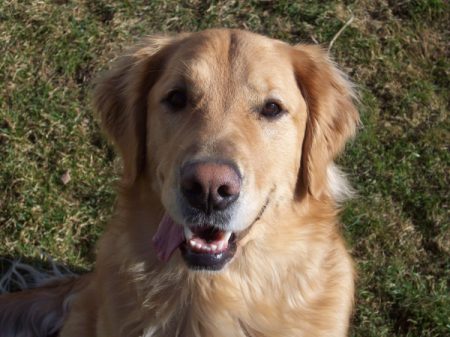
x=271 y=109
x=176 y=99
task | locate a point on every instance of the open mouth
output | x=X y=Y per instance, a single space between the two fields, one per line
x=202 y=247
x=207 y=247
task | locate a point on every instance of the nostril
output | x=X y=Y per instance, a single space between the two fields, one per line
x=195 y=188
x=224 y=196
x=224 y=191
x=194 y=192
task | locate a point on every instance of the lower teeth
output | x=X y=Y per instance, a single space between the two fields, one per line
x=206 y=246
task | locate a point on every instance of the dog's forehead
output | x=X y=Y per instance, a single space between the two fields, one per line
x=231 y=57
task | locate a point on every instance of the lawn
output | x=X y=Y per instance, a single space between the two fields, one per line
x=57 y=173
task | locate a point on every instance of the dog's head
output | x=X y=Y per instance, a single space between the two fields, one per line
x=227 y=125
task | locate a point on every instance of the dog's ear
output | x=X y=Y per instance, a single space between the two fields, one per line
x=332 y=120
x=120 y=99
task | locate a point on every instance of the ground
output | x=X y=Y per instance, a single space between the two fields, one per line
x=57 y=173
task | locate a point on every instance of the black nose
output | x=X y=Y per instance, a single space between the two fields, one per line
x=210 y=186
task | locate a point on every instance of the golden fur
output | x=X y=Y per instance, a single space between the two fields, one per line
x=291 y=275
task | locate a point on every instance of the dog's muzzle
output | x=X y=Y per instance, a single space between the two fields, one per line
x=208 y=190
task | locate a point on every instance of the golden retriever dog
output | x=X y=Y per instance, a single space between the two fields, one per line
x=226 y=222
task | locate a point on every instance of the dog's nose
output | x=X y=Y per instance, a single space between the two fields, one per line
x=210 y=186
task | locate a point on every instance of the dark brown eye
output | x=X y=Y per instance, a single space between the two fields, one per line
x=271 y=110
x=177 y=99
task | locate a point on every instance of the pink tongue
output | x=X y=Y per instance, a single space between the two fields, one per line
x=167 y=238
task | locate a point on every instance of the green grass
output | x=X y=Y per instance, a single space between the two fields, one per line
x=396 y=51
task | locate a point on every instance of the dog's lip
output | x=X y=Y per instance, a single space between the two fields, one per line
x=204 y=257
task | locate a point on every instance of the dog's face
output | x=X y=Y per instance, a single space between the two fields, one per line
x=227 y=124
